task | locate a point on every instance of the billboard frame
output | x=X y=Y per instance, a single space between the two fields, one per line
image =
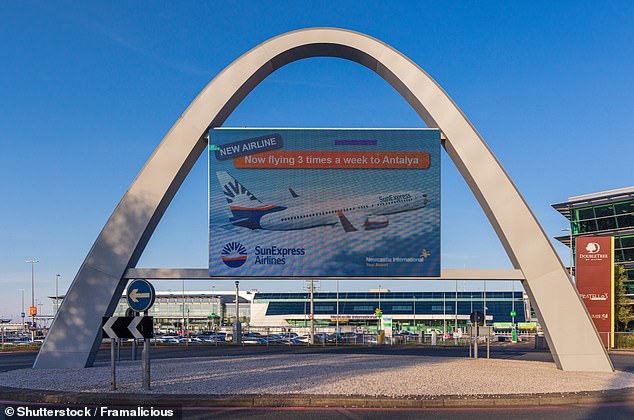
x=436 y=182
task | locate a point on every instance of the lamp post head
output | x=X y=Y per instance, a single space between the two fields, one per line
x=237 y=283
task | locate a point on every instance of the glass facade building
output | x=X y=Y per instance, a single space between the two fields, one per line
x=409 y=310
x=606 y=213
x=200 y=310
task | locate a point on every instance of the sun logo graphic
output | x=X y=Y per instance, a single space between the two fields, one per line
x=234 y=254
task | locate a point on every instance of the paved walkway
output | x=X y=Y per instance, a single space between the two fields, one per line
x=322 y=379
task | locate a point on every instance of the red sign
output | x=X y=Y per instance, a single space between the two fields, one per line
x=595 y=281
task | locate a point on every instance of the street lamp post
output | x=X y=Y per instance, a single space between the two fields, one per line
x=312 y=312
x=22 y=314
x=455 y=325
x=213 y=301
x=237 y=338
x=183 y=329
x=513 y=306
x=237 y=334
x=378 y=323
x=484 y=304
x=338 y=332
x=33 y=309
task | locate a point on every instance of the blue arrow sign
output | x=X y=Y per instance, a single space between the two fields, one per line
x=140 y=295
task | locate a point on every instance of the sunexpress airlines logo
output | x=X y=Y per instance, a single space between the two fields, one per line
x=234 y=254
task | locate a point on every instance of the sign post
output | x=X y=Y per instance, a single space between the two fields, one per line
x=136 y=327
x=476 y=318
x=141 y=296
x=380 y=335
x=113 y=364
x=130 y=312
x=145 y=379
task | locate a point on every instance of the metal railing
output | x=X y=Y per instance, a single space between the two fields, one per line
x=618 y=340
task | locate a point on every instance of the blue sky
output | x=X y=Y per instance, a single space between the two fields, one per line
x=88 y=89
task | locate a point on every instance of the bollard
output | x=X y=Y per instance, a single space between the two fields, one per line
x=475 y=343
x=488 y=344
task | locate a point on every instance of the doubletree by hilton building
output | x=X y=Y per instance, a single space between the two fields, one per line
x=605 y=213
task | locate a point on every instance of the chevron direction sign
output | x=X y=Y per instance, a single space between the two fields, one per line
x=128 y=327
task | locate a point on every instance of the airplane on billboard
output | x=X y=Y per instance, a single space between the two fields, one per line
x=366 y=212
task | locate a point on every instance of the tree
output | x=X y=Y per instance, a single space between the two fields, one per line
x=622 y=307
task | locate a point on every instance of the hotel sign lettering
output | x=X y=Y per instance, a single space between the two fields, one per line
x=595 y=282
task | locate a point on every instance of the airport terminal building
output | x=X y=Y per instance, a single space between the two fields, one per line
x=411 y=311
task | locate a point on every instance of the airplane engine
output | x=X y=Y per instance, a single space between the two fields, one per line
x=376 y=222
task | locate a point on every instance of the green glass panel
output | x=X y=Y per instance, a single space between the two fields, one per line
x=607 y=223
x=626 y=242
x=587 y=226
x=602 y=211
x=627 y=207
x=626 y=220
x=587 y=213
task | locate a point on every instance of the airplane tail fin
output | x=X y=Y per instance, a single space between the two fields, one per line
x=245 y=207
x=235 y=193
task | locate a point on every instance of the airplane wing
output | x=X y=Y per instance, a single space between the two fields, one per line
x=232 y=223
x=293 y=193
x=345 y=223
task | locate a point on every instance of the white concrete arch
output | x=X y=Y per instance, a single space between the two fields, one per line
x=75 y=334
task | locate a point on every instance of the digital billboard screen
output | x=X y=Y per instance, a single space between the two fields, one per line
x=324 y=203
